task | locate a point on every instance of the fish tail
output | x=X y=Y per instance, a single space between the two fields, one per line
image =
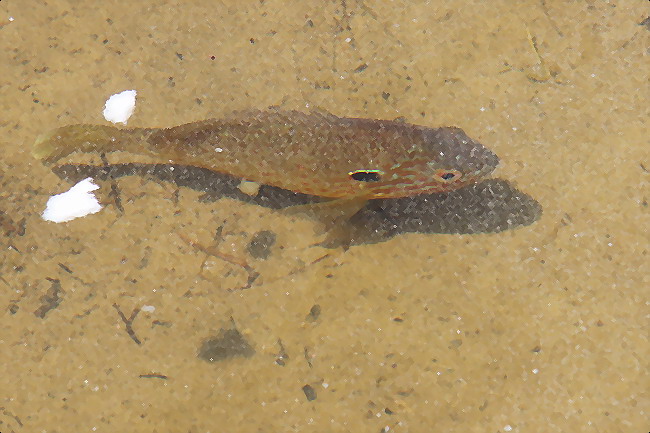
x=61 y=142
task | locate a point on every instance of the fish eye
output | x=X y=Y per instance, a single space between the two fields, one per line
x=448 y=175
x=366 y=175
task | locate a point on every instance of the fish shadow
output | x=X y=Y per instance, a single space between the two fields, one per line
x=490 y=206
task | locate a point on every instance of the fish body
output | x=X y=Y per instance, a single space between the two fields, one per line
x=310 y=153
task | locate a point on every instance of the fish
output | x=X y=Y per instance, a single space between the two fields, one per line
x=315 y=153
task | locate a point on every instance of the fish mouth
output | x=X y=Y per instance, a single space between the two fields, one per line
x=488 y=162
x=492 y=160
x=480 y=174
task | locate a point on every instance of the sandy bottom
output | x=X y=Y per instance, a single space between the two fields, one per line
x=516 y=305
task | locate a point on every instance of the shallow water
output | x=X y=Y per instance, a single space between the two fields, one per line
x=518 y=304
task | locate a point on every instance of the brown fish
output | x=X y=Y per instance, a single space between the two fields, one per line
x=318 y=154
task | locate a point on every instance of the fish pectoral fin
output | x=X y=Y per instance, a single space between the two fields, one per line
x=330 y=212
x=334 y=216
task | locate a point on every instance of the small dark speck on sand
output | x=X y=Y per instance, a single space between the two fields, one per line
x=361 y=68
x=645 y=23
x=314 y=313
x=455 y=344
x=228 y=343
x=310 y=392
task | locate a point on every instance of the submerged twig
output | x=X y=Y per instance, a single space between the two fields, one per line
x=212 y=251
x=129 y=322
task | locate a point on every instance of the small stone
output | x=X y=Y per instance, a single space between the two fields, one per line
x=314 y=313
x=310 y=392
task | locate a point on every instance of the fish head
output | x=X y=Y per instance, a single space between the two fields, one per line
x=443 y=159
x=453 y=152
